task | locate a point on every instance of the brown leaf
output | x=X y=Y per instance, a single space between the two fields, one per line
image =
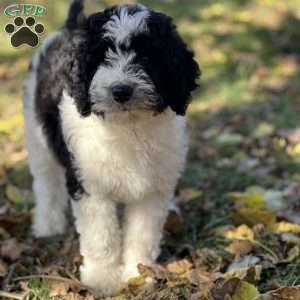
x=12 y=221
x=174 y=224
x=75 y=296
x=12 y=249
x=240 y=247
x=155 y=272
x=225 y=289
x=204 y=280
x=58 y=288
x=235 y=289
x=292 y=136
x=207 y=260
x=286 y=293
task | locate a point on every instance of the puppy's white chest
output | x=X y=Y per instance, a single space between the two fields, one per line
x=128 y=159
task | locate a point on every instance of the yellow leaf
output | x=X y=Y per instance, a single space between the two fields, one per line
x=282 y=227
x=242 y=232
x=251 y=199
x=263 y=129
x=253 y=216
x=295 y=151
x=136 y=281
x=133 y=283
x=13 y=194
x=180 y=267
x=245 y=291
x=221 y=230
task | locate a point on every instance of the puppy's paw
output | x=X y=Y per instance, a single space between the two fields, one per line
x=129 y=271
x=104 y=280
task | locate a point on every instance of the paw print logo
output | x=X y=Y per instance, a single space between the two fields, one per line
x=24 y=32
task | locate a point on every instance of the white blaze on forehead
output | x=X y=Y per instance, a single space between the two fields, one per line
x=122 y=26
x=119 y=58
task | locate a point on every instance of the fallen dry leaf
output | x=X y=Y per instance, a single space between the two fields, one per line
x=251 y=199
x=235 y=289
x=245 y=291
x=13 y=194
x=155 y=272
x=248 y=274
x=242 y=232
x=12 y=221
x=180 y=267
x=76 y=296
x=285 y=293
x=282 y=227
x=58 y=288
x=207 y=260
x=174 y=224
x=240 y=247
x=12 y=249
x=225 y=289
x=136 y=281
x=252 y=216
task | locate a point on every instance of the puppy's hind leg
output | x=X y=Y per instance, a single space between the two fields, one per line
x=48 y=183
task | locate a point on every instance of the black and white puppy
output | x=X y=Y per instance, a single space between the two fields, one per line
x=104 y=110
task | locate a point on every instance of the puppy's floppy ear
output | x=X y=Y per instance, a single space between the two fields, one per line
x=175 y=61
x=78 y=80
x=89 y=52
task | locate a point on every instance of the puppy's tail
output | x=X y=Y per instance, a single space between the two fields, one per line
x=76 y=18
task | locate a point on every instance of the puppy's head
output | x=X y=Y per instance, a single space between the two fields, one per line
x=135 y=61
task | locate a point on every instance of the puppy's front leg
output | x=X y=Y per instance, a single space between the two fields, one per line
x=100 y=246
x=143 y=230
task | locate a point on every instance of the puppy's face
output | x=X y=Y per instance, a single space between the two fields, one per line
x=137 y=61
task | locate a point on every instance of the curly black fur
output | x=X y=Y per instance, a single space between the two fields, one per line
x=168 y=62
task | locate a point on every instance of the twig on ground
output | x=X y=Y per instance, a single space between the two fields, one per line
x=11 y=295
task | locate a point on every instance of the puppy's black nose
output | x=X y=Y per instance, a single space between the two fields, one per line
x=122 y=92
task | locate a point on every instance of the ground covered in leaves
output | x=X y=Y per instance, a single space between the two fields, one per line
x=238 y=234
